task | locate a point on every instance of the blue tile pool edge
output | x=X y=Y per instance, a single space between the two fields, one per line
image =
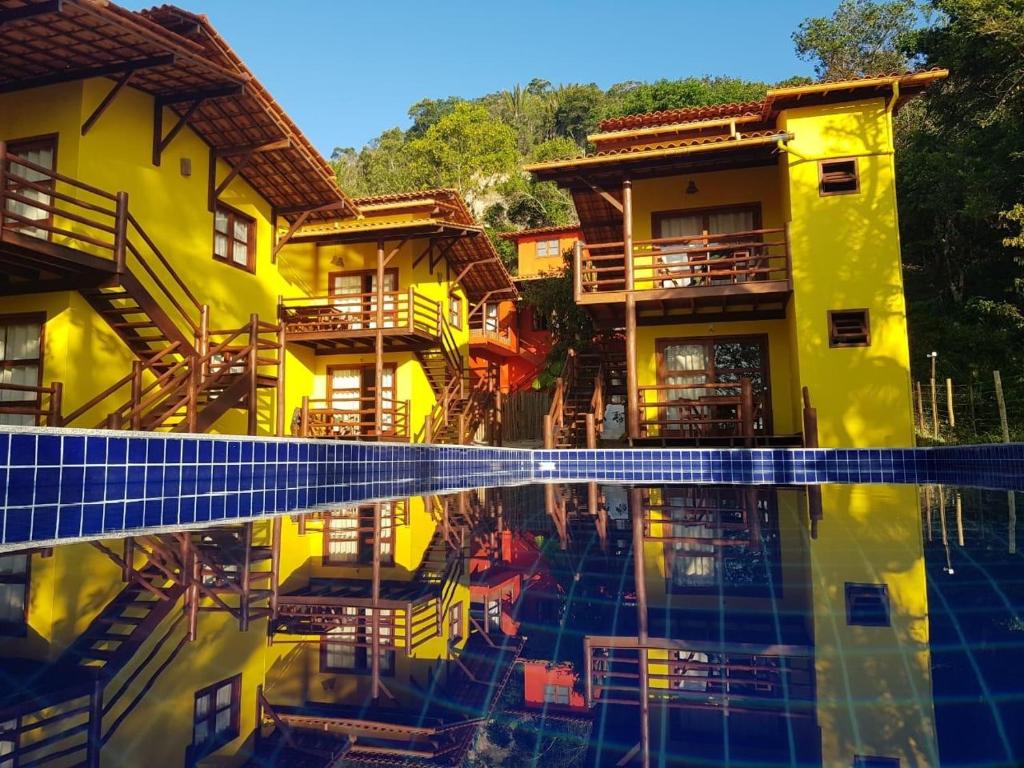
x=68 y=484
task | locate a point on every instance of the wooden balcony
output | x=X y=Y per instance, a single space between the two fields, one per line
x=730 y=678
x=501 y=342
x=711 y=413
x=351 y=416
x=688 y=279
x=343 y=323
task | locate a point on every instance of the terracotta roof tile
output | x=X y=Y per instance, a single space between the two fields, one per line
x=566 y=229
x=683 y=115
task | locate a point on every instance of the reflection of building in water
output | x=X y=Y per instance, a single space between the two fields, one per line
x=373 y=652
x=753 y=642
x=385 y=660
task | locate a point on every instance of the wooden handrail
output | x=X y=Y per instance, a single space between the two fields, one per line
x=738 y=395
x=47 y=400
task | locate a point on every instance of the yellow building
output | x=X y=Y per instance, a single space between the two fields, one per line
x=161 y=217
x=763 y=637
x=762 y=279
x=389 y=303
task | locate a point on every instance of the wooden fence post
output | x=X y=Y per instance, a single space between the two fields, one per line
x=935 y=410
x=428 y=428
x=121 y=231
x=53 y=417
x=920 y=406
x=1001 y=403
x=591 y=431
x=949 y=403
x=549 y=432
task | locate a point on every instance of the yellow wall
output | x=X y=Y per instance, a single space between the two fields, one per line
x=873 y=683
x=845 y=253
x=116 y=155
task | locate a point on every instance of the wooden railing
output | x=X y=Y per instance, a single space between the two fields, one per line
x=554 y=421
x=64 y=211
x=711 y=409
x=695 y=262
x=409 y=311
x=733 y=677
x=351 y=416
x=705 y=516
x=402 y=624
x=39 y=405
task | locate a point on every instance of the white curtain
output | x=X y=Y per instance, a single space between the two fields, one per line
x=342 y=531
x=345 y=393
x=19 y=347
x=345 y=290
x=674 y=258
x=40 y=156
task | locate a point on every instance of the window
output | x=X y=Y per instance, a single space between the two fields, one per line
x=556 y=694
x=346 y=647
x=848 y=328
x=547 y=248
x=867 y=605
x=455 y=628
x=41 y=152
x=455 y=311
x=215 y=717
x=348 y=535
x=21 y=363
x=234 y=238
x=838 y=177
x=14 y=579
x=491 y=317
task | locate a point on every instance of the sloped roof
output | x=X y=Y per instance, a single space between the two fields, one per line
x=177 y=57
x=520 y=234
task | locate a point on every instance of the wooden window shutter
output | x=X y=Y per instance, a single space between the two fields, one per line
x=848 y=328
x=838 y=177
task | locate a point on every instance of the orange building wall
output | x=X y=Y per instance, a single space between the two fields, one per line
x=538 y=674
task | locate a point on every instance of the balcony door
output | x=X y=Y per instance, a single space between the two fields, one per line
x=32 y=185
x=686 y=263
x=353 y=398
x=354 y=294
x=689 y=368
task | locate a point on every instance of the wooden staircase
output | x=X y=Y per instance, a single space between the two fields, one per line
x=589 y=381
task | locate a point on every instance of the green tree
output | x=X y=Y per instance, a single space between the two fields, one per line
x=467 y=149
x=389 y=164
x=576 y=111
x=636 y=98
x=862 y=37
x=426 y=112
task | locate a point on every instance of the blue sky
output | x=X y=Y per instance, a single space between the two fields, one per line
x=347 y=70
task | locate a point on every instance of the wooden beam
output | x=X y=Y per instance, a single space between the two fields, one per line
x=86 y=73
x=610 y=199
x=445 y=250
x=161 y=142
x=107 y=100
x=236 y=169
x=424 y=253
x=394 y=251
x=249 y=149
x=291 y=231
x=27 y=11
x=315 y=208
x=215 y=92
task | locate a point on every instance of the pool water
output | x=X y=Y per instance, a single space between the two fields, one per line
x=662 y=624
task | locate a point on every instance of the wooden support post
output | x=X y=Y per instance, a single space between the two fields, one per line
x=280 y=389
x=747 y=412
x=928 y=509
x=959 y=519
x=121 y=231
x=460 y=423
x=1001 y=403
x=53 y=416
x=304 y=417
x=577 y=270
x=252 y=404
x=190 y=563
x=632 y=385
x=810 y=421
x=549 y=432
x=243 y=599
x=375 y=618
x=3 y=174
x=591 y=431
x=379 y=349
x=920 y=407
x=428 y=428
x=275 y=564
x=128 y=556
x=497 y=438
x=192 y=398
x=136 y=395
x=949 y=404
x=589 y=662
x=640 y=579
